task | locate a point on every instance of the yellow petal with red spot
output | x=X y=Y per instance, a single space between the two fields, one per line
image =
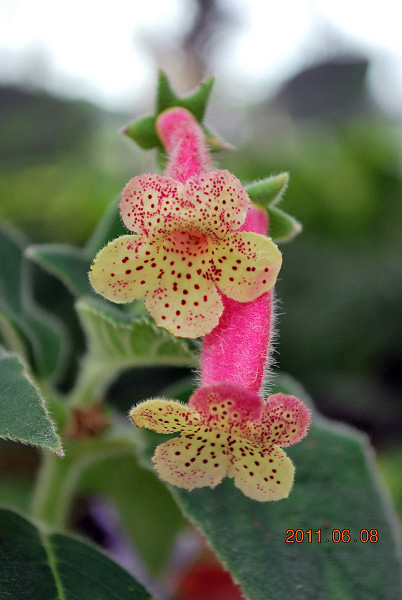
x=193 y=460
x=183 y=310
x=123 y=270
x=247 y=265
x=262 y=474
x=164 y=416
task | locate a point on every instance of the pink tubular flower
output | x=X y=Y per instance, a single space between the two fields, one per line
x=227 y=430
x=185 y=248
x=238 y=349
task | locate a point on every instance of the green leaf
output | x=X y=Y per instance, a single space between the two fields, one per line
x=134 y=490
x=67 y=263
x=71 y=264
x=268 y=191
x=123 y=341
x=282 y=227
x=23 y=415
x=336 y=488
x=22 y=321
x=39 y=564
x=117 y=341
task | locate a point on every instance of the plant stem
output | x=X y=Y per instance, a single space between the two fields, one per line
x=51 y=496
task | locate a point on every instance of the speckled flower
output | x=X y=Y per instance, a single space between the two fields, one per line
x=185 y=248
x=227 y=430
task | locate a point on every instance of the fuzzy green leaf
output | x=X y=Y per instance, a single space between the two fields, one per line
x=67 y=263
x=71 y=264
x=117 y=341
x=22 y=322
x=123 y=341
x=36 y=563
x=268 y=191
x=23 y=415
x=282 y=227
x=335 y=489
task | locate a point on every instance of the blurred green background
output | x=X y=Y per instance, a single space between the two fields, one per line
x=338 y=298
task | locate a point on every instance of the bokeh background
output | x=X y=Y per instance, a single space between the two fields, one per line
x=313 y=87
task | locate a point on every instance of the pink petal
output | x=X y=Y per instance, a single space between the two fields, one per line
x=151 y=204
x=247 y=265
x=122 y=271
x=286 y=418
x=164 y=416
x=191 y=461
x=219 y=203
x=227 y=407
x=260 y=475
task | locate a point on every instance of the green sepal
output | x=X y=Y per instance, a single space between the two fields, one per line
x=266 y=194
x=268 y=191
x=143 y=130
x=282 y=227
x=196 y=102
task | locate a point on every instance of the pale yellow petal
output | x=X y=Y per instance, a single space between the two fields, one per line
x=185 y=308
x=164 y=416
x=123 y=270
x=262 y=475
x=246 y=265
x=192 y=461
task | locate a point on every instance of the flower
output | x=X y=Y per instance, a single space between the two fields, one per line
x=238 y=349
x=185 y=247
x=227 y=430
